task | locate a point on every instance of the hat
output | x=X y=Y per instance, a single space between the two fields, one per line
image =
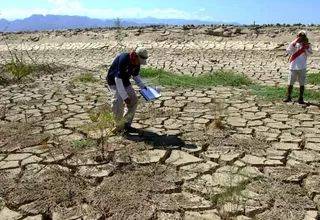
x=142 y=54
x=302 y=32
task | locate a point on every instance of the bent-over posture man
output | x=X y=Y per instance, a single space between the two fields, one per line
x=123 y=67
x=298 y=50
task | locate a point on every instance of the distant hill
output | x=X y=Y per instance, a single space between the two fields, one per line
x=59 y=22
x=150 y=20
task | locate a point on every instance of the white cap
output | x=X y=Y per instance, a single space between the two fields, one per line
x=303 y=32
x=143 y=55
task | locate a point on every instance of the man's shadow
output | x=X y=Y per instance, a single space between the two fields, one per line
x=306 y=104
x=312 y=104
x=158 y=141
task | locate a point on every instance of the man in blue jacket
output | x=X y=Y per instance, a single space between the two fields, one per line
x=123 y=67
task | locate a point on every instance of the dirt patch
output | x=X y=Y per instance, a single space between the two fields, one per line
x=286 y=201
x=20 y=135
x=252 y=145
x=5 y=182
x=53 y=189
x=128 y=194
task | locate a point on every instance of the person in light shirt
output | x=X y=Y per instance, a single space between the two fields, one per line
x=298 y=50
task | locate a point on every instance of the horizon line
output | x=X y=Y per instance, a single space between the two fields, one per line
x=11 y=19
x=150 y=17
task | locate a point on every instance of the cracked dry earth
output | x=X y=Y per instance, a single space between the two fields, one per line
x=217 y=153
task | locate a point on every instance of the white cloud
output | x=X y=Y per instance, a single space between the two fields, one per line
x=19 y=13
x=68 y=7
x=58 y=2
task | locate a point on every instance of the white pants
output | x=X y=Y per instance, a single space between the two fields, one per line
x=117 y=105
x=300 y=74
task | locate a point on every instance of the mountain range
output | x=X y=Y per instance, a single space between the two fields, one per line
x=60 y=22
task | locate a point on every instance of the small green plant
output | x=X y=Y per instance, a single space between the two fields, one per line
x=18 y=70
x=232 y=197
x=86 y=78
x=15 y=69
x=102 y=120
x=83 y=143
x=119 y=36
x=102 y=123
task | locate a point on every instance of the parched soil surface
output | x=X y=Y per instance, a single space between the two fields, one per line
x=216 y=153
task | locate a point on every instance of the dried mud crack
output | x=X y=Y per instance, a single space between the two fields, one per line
x=202 y=153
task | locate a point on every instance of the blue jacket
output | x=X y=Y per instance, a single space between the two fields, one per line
x=121 y=68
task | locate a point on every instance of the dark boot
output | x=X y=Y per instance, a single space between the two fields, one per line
x=288 y=98
x=300 y=100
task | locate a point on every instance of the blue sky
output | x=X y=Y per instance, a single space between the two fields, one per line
x=242 y=11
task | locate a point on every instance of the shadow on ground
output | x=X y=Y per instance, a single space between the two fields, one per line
x=312 y=104
x=158 y=141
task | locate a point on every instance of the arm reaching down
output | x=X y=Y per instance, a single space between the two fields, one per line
x=137 y=79
x=139 y=82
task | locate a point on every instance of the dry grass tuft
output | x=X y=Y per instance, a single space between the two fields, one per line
x=55 y=188
x=285 y=201
x=20 y=135
x=218 y=124
x=128 y=195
